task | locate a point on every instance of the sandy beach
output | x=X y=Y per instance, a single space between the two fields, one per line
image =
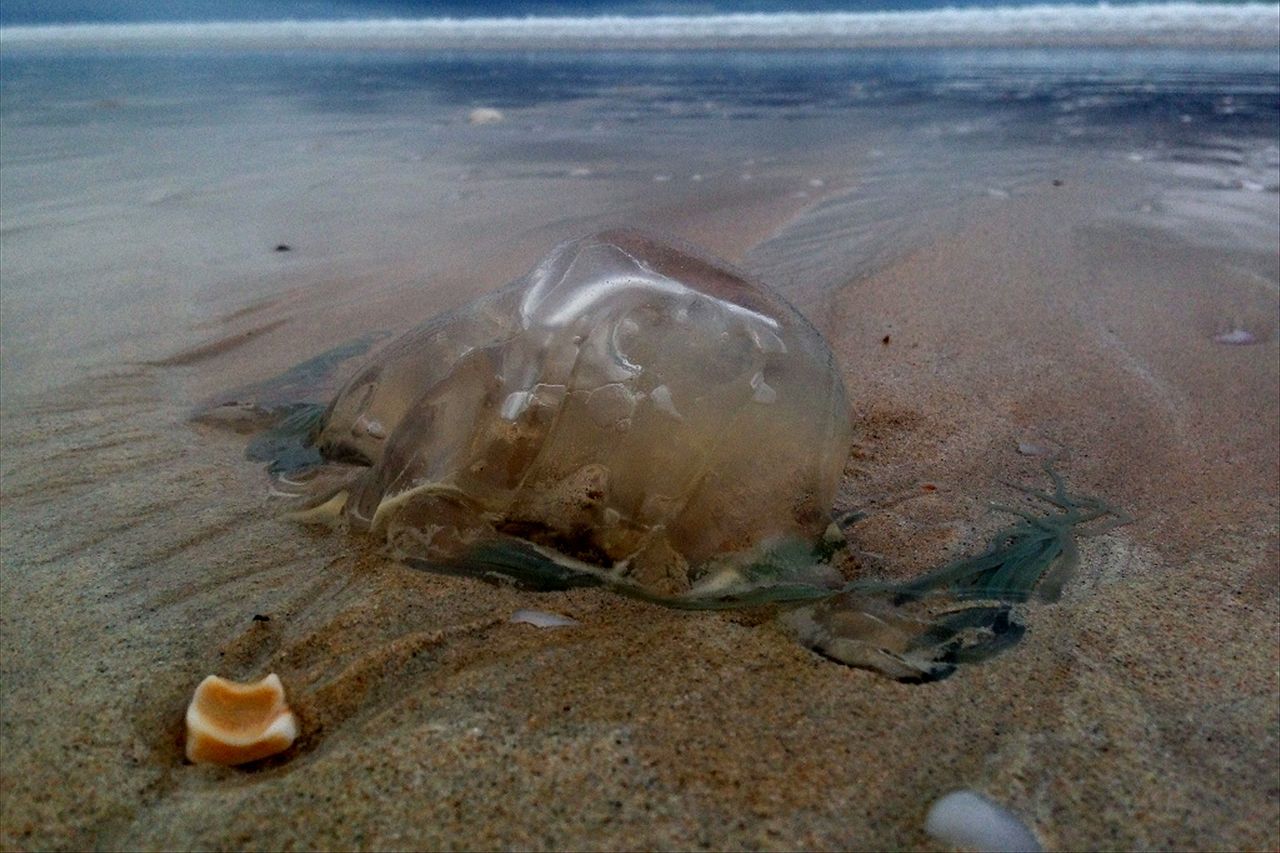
x=1066 y=300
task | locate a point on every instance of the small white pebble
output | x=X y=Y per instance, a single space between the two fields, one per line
x=1235 y=337
x=485 y=115
x=969 y=820
x=541 y=619
x=1028 y=448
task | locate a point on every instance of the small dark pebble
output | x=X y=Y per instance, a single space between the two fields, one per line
x=258 y=617
x=1057 y=182
x=284 y=247
x=885 y=340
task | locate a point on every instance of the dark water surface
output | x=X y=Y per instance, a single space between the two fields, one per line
x=1108 y=86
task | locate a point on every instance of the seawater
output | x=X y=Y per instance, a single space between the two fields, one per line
x=166 y=177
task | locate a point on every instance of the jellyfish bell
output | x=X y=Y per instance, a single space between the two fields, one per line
x=629 y=412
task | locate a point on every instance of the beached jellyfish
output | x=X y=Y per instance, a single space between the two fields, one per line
x=642 y=417
x=627 y=413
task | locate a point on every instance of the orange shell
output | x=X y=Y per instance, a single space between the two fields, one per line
x=233 y=723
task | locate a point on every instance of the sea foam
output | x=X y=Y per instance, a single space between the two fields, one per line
x=1250 y=25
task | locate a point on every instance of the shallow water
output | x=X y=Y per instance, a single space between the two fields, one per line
x=170 y=179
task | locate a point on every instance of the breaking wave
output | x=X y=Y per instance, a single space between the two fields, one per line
x=1248 y=25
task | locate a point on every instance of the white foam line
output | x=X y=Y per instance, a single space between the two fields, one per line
x=1251 y=25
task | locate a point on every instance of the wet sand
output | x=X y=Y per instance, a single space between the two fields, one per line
x=1139 y=712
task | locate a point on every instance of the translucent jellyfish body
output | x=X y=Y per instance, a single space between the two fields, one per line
x=628 y=412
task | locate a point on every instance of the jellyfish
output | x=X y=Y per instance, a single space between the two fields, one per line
x=637 y=415
x=628 y=413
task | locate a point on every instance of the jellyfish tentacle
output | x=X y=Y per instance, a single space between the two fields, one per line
x=914 y=631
